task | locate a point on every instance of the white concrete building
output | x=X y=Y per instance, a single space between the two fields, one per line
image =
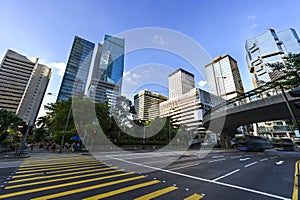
x=23 y=85
x=180 y=82
x=188 y=109
x=147 y=103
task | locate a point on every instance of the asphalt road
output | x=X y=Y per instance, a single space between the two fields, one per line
x=160 y=175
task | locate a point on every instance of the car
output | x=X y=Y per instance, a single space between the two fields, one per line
x=284 y=144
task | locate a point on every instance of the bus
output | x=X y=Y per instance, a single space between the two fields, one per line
x=246 y=142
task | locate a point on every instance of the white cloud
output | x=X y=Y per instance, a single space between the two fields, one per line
x=202 y=83
x=251 y=17
x=158 y=39
x=131 y=77
x=253 y=26
x=58 y=67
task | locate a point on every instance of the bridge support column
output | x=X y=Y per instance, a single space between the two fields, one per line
x=225 y=140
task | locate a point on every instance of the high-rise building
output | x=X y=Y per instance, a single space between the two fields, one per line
x=23 y=85
x=223 y=77
x=108 y=69
x=269 y=47
x=77 y=70
x=187 y=107
x=146 y=104
x=180 y=82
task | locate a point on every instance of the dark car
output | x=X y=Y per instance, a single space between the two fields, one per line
x=284 y=144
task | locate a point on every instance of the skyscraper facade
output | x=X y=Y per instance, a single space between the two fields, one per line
x=223 y=77
x=180 y=82
x=23 y=85
x=146 y=104
x=108 y=68
x=77 y=69
x=269 y=47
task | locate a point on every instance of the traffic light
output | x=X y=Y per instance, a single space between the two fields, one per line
x=95 y=132
x=295 y=92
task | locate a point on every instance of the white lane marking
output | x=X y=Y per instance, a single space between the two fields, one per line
x=264 y=159
x=186 y=166
x=158 y=161
x=233 y=157
x=203 y=179
x=243 y=159
x=218 y=160
x=273 y=157
x=279 y=162
x=228 y=174
x=251 y=164
x=218 y=157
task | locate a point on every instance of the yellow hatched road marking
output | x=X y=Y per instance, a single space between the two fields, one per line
x=34 y=160
x=157 y=193
x=55 y=168
x=59 y=179
x=194 y=197
x=45 y=160
x=296 y=181
x=58 y=175
x=62 y=185
x=57 y=163
x=122 y=190
x=57 y=171
x=87 y=188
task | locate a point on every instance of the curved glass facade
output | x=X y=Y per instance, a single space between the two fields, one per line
x=269 y=47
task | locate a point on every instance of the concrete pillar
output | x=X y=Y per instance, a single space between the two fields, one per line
x=225 y=140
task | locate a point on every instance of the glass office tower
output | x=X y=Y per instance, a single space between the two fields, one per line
x=77 y=70
x=269 y=47
x=108 y=70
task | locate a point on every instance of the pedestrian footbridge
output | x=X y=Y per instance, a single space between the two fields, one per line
x=266 y=103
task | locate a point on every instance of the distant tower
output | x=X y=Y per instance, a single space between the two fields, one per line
x=24 y=82
x=269 y=47
x=180 y=82
x=77 y=70
x=147 y=103
x=223 y=77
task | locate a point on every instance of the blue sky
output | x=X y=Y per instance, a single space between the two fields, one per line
x=46 y=29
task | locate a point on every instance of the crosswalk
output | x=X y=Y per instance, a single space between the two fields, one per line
x=75 y=176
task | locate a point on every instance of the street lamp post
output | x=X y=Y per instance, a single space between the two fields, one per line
x=65 y=130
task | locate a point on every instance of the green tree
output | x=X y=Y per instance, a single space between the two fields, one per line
x=8 y=120
x=290 y=69
x=122 y=117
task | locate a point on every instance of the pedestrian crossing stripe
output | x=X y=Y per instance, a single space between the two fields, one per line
x=59 y=179
x=60 y=194
x=63 y=170
x=54 y=168
x=56 y=171
x=28 y=162
x=59 y=175
x=69 y=184
x=122 y=190
x=195 y=197
x=58 y=163
x=157 y=193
